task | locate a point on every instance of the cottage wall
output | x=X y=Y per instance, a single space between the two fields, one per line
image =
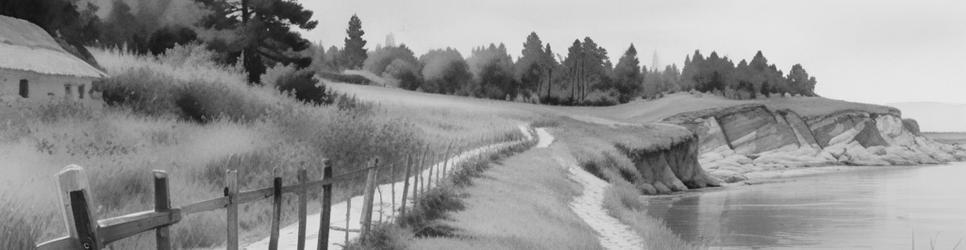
x=47 y=86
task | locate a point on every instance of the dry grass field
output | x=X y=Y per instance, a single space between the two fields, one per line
x=252 y=129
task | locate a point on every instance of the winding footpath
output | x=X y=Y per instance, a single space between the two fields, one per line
x=382 y=204
x=589 y=206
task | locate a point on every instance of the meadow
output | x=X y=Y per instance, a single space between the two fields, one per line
x=194 y=119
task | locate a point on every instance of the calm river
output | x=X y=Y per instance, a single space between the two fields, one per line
x=881 y=208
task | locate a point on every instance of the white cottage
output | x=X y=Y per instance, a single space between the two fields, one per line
x=33 y=65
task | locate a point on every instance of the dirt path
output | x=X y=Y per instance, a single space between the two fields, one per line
x=382 y=205
x=521 y=202
x=589 y=206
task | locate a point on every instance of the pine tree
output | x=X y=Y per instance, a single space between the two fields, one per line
x=264 y=28
x=529 y=69
x=798 y=80
x=549 y=63
x=574 y=64
x=627 y=75
x=354 y=53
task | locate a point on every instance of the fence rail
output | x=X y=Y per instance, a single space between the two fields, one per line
x=86 y=232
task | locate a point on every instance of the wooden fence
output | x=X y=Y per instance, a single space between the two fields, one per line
x=85 y=231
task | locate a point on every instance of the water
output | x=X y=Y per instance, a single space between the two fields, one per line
x=880 y=208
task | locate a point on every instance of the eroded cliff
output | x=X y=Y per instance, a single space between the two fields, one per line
x=744 y=138
x=671 y=168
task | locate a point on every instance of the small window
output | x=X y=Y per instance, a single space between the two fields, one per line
x=80 y=91
x=24 y=88
x=67 y=90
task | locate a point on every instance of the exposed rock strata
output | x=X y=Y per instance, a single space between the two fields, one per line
x=740 y=139
x=674 y=168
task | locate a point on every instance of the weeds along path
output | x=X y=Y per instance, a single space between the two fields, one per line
x=382 y=204
x=589 y=206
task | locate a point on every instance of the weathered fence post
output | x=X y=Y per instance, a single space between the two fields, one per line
x=324 y=218
x=432 y=165
x=447 y=158
x=75 y=198
x=392 y=192
x=276 y=208
x=303 y=177
x=162 y=202
x=422 y=163
x=405 y=191
x=348 y=217
x=416 y=178
x=366 y=220
x=231 y=191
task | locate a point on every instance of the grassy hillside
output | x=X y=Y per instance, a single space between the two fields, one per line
x=252 y=129
x=195 y=119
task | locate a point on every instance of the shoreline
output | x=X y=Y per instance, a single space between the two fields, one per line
x=784 y=175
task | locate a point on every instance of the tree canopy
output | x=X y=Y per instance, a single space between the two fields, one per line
x=354 y=52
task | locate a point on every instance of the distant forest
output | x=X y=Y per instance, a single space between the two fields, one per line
x=583 y=75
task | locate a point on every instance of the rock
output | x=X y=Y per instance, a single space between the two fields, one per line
x=912 y=126
x=741 y=139
x=675 y=168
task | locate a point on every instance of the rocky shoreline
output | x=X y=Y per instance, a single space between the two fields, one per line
x=737 y=141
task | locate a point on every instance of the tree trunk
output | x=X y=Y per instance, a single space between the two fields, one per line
x=549 y=80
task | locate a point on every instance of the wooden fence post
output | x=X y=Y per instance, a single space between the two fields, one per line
x=447 y=157
x=432 y=165
x=162 y=202
x=231 y=191
x=75 y=198
x=348 y=217
x=392 y=193
x=276 y=208
x=416 y=178
x=419 y=172
x=303 y=177
x=405 y=191
x=324 y=218
x=366 y=220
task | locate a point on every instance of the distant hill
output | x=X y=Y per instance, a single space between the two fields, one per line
x=934 y=116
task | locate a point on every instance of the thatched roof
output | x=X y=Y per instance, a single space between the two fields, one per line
x=27 y=47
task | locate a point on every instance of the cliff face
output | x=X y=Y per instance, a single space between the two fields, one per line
x=740 y=139
x=675 y=168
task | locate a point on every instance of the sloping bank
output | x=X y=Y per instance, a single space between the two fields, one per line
x=737 y=140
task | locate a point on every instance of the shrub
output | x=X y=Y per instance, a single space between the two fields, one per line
x=195 y=103
x=380 y=59
x=406 y=72
x=384 y=236
x=142 y=90
x=304 y=87
x=353 y=79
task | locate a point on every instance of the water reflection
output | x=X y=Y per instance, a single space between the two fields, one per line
x=879 y=208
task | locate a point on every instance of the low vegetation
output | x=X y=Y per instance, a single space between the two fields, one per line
x=155 y=118
x=426 y=218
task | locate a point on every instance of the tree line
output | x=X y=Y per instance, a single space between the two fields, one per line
x=258 y=34
x=584 y=76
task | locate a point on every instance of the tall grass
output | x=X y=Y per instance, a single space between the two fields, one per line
x=427 y=217
x=228 y=124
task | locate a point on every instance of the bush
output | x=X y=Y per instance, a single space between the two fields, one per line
x=384 y=236
x=353 y=79
x=406 y=73
x=303 y=85
x=142 y=90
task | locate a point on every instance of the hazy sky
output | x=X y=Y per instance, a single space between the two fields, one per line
x=869 y=51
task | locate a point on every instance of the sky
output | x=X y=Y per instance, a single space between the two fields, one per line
x=881 y=51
